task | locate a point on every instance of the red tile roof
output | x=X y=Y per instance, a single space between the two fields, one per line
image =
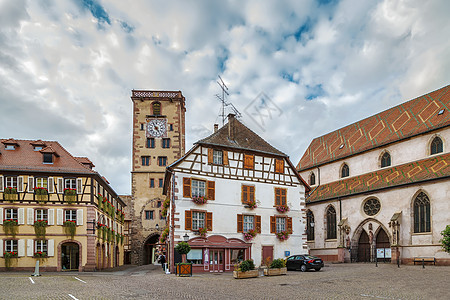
x=414 y=117
x=434 y=167
x=24 y=158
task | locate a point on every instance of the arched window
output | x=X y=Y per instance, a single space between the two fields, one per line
x=422 y=213
x=331 y=223
x=436 y=146
x=385 y=160
x=156 y=108
x=345 y=171
x=310 y=225
x=312 y=179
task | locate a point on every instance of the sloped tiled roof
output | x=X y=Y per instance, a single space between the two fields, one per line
x=24 y=158
x=243 y=138
x=414 y=117
x=427 y=169
x=85 y=160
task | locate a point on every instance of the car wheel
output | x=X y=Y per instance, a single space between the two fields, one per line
x=303 y=268
x=317 y=269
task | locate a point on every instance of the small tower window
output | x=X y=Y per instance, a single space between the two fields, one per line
x=385 y=160
x=156 y=108
x=436 y=146
x=345 y=171
x=312 y=179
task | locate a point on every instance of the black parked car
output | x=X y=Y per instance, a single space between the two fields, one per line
x=304 y=262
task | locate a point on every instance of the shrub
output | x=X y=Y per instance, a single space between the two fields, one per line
x=278 y=263
x=70 y=228
x=183 y=248
x=446 y=239
x=246 y=265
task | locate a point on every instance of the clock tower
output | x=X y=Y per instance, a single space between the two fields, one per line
x=158 y=140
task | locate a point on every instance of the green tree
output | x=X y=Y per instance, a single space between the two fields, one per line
x=446 y=239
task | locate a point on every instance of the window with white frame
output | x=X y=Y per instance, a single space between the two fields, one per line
x=281 y=224
x=70 y=215
x=40 y=246
x=11 y=246
x=217 y=157
x=70 y=183
x=41 y=214
x=198 y=188
x=198 y=220
x=248 y=223
x=11 y=182
x=11 y=214
x=41 y=182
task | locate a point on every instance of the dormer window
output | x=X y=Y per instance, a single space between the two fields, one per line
x=48 y=158
x=38 y=148
x=10 y=147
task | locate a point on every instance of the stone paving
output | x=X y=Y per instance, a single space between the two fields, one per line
x=335 y=281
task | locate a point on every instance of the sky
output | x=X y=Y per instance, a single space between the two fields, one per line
x=295 y=70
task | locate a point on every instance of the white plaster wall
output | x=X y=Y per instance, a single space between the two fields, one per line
x=227 y=205
x=405 y=151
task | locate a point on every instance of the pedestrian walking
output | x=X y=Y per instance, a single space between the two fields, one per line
x=162 y=260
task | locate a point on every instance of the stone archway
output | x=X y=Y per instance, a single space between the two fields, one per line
x=149 y=248
x=365 y=235
x=70 y=251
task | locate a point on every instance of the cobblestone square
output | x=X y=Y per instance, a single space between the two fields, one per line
x=335 y=281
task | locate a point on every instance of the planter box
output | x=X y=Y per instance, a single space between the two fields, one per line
x=275 y=272
x=248 y=274
x=184 y=270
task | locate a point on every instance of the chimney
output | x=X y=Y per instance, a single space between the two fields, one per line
x=216 y=127
x=231 y=126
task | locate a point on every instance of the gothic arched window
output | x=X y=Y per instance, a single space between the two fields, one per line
x=345 y=171
x=331 y=223
x=385 y=160
x=310 y=225
x=312 y=179
x=436 y=146
x=422 y=213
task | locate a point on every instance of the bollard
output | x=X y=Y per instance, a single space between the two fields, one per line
x=423 y=264
x=376 y=262
x=398 y=262
x=36 y=269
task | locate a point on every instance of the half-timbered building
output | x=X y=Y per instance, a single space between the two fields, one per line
x=380 y=186
x=56 y=209
x=233 y=197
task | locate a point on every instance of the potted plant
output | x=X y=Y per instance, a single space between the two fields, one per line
x=40 y=255
x=10 y=227
x=282 y=208
x=199 y=200
x=9 y=256
x=183 y=269
x=70 y=228
x=40 y=228
x=70 y=195
x=283 y=235
x=164 y=235
x=41 y=194
x=246 y=269
x=249 y=235
x=276 y=267
x=251 y=204
x=202 y=232
x=10 y=194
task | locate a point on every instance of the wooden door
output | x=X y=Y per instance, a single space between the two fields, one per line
x=267 y=253
x=363 y=248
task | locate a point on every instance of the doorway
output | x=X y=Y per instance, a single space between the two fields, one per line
x=216 y=261
x=363 y=248
x=383 y=246
x=70 y=257
x=150 y=244
x=267 y=253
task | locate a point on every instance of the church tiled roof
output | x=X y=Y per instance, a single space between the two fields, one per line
x=420 y=115
x=434 y=167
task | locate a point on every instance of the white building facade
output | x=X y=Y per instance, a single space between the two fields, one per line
x=246 y=185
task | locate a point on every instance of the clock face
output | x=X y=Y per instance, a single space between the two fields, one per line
x=156 y=128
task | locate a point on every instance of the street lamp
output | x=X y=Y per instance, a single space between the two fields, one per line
x=157 y=227
x=186 y=237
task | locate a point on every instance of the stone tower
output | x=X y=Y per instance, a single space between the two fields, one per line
x=158 y=140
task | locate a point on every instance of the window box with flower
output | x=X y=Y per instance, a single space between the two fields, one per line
x=249 y=235
x=283 y=235
x=199 y=200
x=282 y=208
x=10 y=227
x=201 y=232
x=10 y=194
x=9 y=256
x=40 y=254
x=251 y=204
x=70 y=195
x=70 y=228
x=40 y=227
x=41 y=194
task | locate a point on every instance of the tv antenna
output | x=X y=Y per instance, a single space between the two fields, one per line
x=225 y=93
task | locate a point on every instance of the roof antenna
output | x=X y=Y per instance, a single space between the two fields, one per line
x=224 y=89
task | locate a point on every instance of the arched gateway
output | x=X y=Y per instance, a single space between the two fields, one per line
x=150 y=248
x=370 y=241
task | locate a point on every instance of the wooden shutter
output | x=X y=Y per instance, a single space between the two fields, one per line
x=51 y=217
x=244 y=197
x=30 y=216
x=21 y=216
x=251 y=193
x=188 y=220
x=283 y=196
x=210 y=155
x=289 y=224
x=1 y=218
x=59 y=216
x=248 y=161
x=20 y=184
x=79 y=217
x=240 y=223
x=30 y=184
x=273 y=224
x=277 y=197
x=51 y=185
x=60 y=186
x=211 y=190
x=21 y=247
x=209 y=223
x=225 y=158
x=1 y=187
x=30 y=247
x=258 y=224
x=1 y=246
x=186 y=187
x=279 y=166
x=51 y=247
x=79 y=185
